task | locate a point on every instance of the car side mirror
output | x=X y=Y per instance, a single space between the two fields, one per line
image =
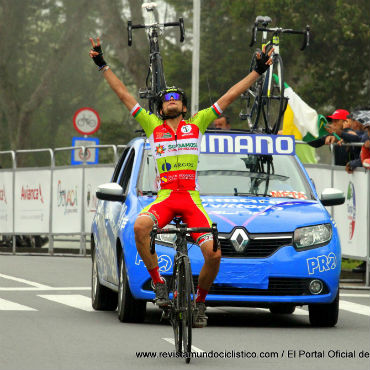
x=110 y=191
x=332 y=197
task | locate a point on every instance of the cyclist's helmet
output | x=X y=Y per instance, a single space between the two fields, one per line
x=175 y=90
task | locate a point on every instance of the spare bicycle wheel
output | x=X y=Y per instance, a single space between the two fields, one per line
x=273 y=101
x=253 y=97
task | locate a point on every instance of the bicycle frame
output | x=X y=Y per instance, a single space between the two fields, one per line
x=154 y=31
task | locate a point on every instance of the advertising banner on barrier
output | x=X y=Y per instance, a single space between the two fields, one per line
x=6 y=202
x=93 y=178
x=32 y=202
x=351 y=217
x=67 y=200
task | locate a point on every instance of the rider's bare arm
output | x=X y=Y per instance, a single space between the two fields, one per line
x=120 y=89
x=114 y=82
x=234 y=92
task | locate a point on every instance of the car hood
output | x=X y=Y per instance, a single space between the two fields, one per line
x=259 y=214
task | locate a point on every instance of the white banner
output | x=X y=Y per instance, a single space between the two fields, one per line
x=32 y=201
x=93 y=178
x=67 y=200
x=6 y=202
x=351 y=217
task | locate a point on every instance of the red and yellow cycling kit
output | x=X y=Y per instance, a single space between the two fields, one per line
x=176 y=155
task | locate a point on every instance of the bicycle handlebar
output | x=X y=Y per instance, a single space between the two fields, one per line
x=266 y=20
x=180 y=23
x=183 y=230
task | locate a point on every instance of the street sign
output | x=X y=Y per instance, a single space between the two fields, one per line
x=91 y=154
x=86 y=121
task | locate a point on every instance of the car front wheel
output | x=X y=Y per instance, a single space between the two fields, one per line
x=129 y=308
x=324 y=315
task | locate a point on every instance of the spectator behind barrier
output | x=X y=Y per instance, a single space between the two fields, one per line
x=337 y=120
x=360 y=119
x=222 y=123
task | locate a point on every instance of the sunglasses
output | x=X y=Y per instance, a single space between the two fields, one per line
x=168 y=96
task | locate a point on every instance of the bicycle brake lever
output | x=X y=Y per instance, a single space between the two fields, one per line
x=182 y=29
x=129 y=32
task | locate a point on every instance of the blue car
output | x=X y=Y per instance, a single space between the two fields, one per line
x=280 y=246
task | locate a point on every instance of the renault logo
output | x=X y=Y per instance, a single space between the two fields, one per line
x=239 y=240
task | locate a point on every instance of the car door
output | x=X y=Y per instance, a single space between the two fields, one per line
x=114 y=212
x=103 y=227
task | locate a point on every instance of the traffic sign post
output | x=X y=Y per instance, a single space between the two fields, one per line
x=86 y=121
x=91 y=154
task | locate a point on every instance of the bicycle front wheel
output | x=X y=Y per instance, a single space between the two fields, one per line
x=273 y=101
x=182 y=323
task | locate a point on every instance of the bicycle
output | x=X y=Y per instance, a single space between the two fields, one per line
x=181 y=286
x=265 y=100
x=154 y=30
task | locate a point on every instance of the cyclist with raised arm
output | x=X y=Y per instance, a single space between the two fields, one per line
x=175 y=143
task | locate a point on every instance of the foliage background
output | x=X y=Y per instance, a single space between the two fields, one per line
x=46 y=74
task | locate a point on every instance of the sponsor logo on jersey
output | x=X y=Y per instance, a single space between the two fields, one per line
x=160 y=149
x=186 y=129
x=183 y=146
x=163 y=135
x=182 y=165
x=166 y=166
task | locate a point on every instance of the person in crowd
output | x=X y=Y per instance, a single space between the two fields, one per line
x=222 y=122
x=337 y=120
x=359 y=118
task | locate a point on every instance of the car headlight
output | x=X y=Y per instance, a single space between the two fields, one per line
x=312 y=236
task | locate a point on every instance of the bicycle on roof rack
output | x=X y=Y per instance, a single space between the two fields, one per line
x=265 y=101
x=155 y=80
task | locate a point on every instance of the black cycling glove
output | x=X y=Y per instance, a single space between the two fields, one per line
x=261 y=67
x=98 y=59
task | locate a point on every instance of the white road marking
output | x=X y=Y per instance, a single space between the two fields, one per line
x=298 y=311
x=355 y=295
x=25 y=289
x=193 y=348
x=72 y=300
x=24 y=281
x=354 y=307
x=6 y=305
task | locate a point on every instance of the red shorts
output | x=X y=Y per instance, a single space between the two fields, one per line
x=184 y=203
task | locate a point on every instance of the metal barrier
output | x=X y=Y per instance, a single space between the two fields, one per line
x=31 y=198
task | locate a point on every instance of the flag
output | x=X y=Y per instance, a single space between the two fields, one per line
x=301 y=119
x=303 y=122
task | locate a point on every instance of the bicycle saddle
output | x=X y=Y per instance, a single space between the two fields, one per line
x=265 y=20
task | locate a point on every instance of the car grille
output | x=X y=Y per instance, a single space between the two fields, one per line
x=277 y=287
x=259 y=245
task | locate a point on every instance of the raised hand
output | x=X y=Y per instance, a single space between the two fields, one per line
x=96 y=53
x=263 y=60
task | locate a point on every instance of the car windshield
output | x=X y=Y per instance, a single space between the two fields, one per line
x=239 y=175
